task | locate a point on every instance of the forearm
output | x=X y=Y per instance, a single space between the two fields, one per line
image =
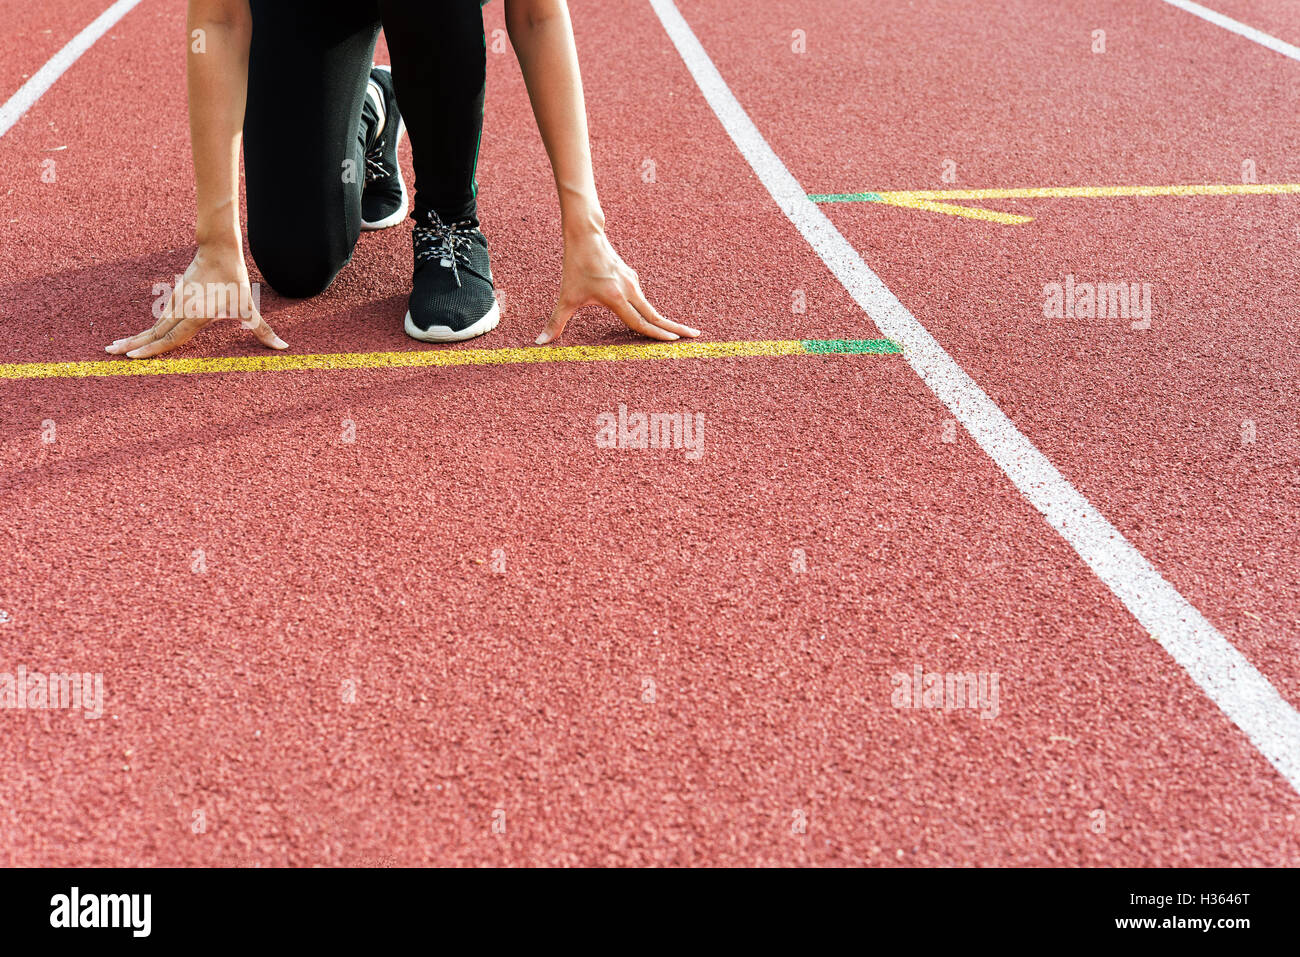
x=217 y=82
x=543 y=40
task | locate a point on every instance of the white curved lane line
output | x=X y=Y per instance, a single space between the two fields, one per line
x=46 y=76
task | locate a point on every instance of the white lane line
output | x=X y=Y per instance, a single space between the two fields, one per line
x=1231 y=681
x=45 y=77
x=1236 y=26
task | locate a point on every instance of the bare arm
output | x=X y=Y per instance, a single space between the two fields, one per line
x=217 y=83
x=219 y=33
x=593 y=272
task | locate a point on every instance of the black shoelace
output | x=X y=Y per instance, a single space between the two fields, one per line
x=448 y=243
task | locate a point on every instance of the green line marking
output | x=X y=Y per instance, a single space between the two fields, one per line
x=846 y=197
x=871 y=347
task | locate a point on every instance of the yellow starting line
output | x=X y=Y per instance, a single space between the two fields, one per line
x=281 y=362
x=933 y=200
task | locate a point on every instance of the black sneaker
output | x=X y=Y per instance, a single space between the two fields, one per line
x=452 y=297
x=384 y=198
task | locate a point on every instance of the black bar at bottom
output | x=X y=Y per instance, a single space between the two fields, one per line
x=334 y=908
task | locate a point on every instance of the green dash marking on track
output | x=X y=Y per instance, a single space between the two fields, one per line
x=870 y=347
x=846 y=197
x=447 y=357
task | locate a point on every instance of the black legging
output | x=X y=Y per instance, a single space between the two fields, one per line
x=308 y=71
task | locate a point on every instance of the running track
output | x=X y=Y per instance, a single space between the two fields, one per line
x=656 y=676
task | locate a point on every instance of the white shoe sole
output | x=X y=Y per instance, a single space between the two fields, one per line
x=447 y=334
x=404 y=208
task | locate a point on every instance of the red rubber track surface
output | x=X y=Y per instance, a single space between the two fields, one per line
x=524 y=691
x=34 y=32
x=1147 y=425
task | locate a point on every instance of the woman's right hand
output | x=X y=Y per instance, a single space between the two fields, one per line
x=215 y=287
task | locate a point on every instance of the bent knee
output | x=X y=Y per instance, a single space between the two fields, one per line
x=295 y=270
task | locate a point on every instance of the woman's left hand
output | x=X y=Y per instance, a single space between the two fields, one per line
x=595 y=274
